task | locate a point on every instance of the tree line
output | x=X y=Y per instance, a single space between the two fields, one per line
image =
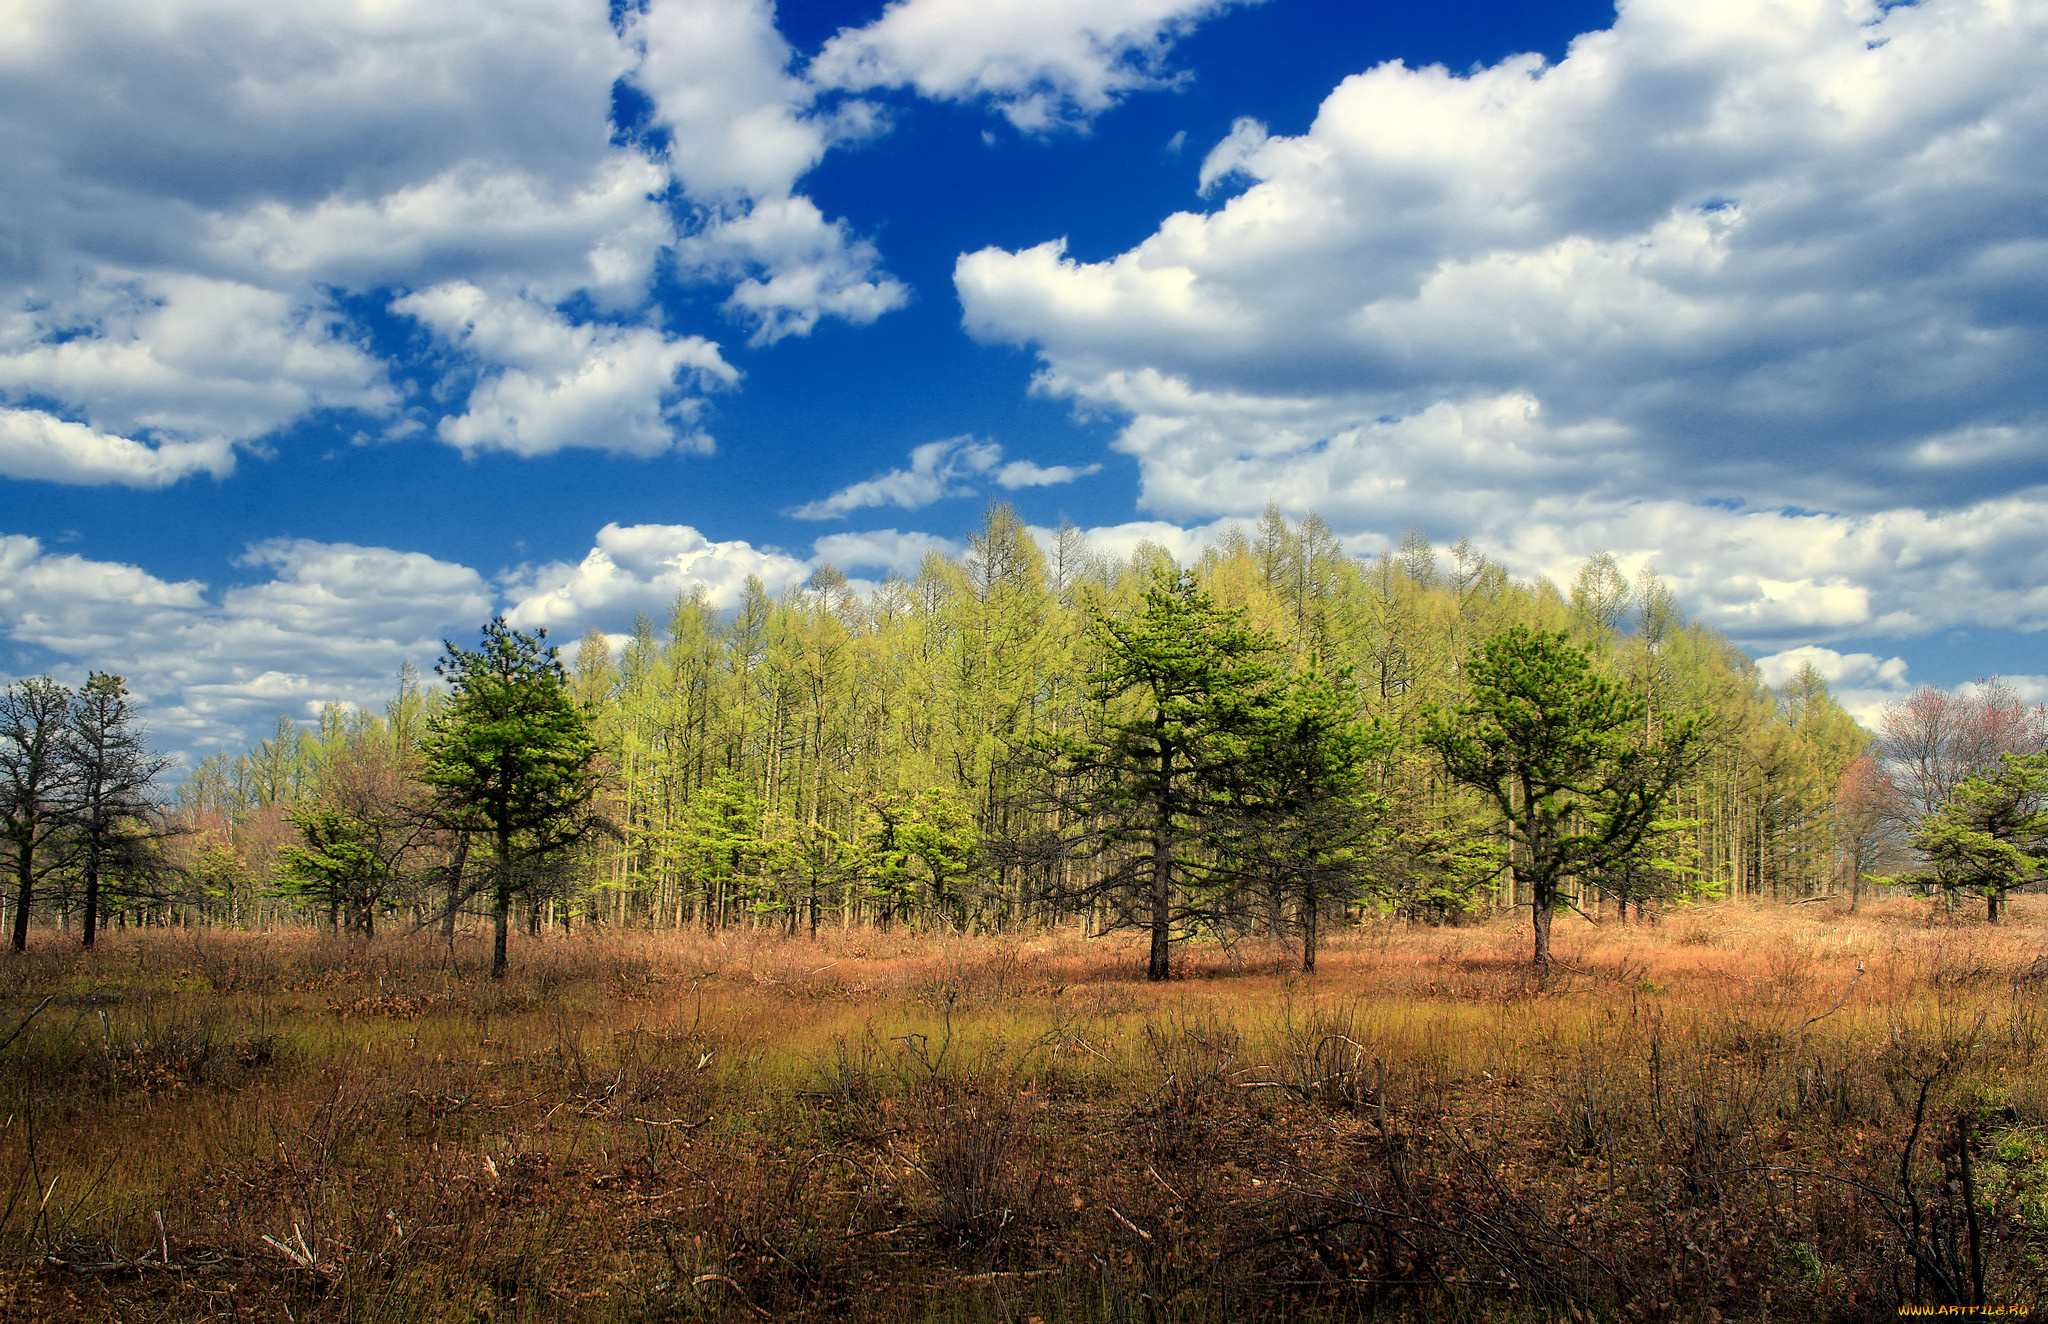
x=1262 y=742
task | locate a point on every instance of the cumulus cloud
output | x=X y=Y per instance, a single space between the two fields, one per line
x=548 y=383
x=201 y=363
x=196 y=187
x=190 y=183
x=803 y=267
x=885 y=549
x=1041 y=63
x=331 y=623
x=1716 y=281
x=34 y=444
x=643 y=568
x=742 y=130
x=941 y=469
x=1863 y=683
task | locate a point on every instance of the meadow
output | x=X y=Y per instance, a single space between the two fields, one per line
x=1737 y=1113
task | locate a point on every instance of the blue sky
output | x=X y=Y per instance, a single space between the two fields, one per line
x=329 y=329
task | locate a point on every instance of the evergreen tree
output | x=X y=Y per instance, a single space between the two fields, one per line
x=113 y=806
x=511 y=757
x=1186 y=694
x=1303 y=822
x=1554 y=746
x=1992 y=834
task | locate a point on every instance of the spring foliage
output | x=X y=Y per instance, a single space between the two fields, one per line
x=1037 y=733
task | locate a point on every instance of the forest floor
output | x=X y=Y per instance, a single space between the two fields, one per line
x=1737 y=1113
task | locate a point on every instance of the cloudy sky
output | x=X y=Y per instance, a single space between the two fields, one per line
x=329 y=328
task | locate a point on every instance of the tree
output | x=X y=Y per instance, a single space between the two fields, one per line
x=511 y=756
x=934 y=831
x=112 y=806
x=1186 y=695
x=1304 y=824
x=38 y=780
x=336 y=862
x=1933 y=741
x=1992 y=834
x=1555 y=746
x=363 y=834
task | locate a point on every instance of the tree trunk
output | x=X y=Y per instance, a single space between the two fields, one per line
x=92 y=898
x=24 y=893
x=1160 y=962
x=1543 y=897
x=454 y=890
x=501 y=904
x=1991 y=896
x=1311 y=904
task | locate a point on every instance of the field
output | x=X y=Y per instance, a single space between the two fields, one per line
x=1791 y=1112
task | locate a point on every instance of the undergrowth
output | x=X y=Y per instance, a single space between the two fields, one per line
x=1737 y=1114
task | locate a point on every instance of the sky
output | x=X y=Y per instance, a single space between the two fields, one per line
x=331 y=328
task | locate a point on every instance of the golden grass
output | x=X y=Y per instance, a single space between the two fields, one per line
x=1703 y=1118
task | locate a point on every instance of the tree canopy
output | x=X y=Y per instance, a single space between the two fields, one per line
x=1556 y=747
x=511 y=757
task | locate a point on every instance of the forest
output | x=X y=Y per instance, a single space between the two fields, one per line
x=1046 y=938
x=964 y=751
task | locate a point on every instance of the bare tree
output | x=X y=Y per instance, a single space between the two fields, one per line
x=37 y=781
x=114 y=811
x=1934 y=740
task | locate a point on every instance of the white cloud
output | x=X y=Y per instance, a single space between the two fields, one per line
x=883 y=548
x=938 y=470
x=739 y=121
x=642 y=568
x=1835 y=668
x=1231 y=158
x=198 y=362
x=1042 y=63
x=37 y=445
x=195 y=187
x=1718 y=284
x=742 y=131
x=332 y=623
x=190 y=181
x=1119 y=542
x=1864 y=684
x=807 y=268
x=1023 y=473
x=548 y=383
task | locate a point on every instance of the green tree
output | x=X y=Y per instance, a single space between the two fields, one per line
x=335 y=862
x=1186 y=694
x=511 y=757
x=919 y=851
x=38 y=781
x=1305 y=821
x=1555 y=746
x=1992 y=834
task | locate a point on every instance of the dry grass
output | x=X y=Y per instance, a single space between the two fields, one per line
x=1706 y=1118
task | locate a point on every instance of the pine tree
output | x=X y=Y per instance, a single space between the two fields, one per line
x=511 y=757
x=1992 y=835
x=1186 y=693
x=1554 y=746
